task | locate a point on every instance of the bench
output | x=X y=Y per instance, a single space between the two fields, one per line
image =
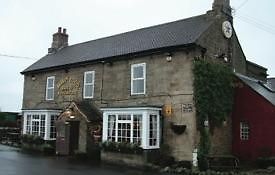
x=222 y=162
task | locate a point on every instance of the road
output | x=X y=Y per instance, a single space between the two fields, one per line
x=14 y=162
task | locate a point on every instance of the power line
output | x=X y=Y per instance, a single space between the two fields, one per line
x=15 y=56
x=265 y=27
x=242 y=4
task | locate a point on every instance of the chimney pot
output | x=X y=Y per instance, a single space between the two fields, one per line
x=60 y=40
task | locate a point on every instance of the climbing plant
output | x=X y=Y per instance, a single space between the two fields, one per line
x=213 y=94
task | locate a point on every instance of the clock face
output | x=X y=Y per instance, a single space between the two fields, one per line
x=227 y=29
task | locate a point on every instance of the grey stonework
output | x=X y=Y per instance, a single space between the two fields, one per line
x=167 y=82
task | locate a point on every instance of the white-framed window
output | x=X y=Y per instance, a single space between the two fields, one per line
x=244 y=131
x=35 y=125
x=88 y=87
x=138 y=79
x=40 y=123
x=132 y=125
x=28 y=124
x=50 y=88
x=52 y=126
x=153 y=130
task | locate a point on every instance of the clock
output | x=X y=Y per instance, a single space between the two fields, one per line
x=227 y=29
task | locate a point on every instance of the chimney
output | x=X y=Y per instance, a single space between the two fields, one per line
x=222 y=6
x=60 y=40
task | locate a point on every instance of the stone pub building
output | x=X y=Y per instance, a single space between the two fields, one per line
x=123 y=88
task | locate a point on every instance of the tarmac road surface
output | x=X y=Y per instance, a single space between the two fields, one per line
x=14 y=162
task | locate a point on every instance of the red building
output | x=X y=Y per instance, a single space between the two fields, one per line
x=253 y=119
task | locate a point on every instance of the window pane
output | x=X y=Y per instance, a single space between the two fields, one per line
x=111 y=128
x=35 y=128
x=153 y=130
x=138 y=86
x=28 y=125
x=138 y=72
x=244 y=131
x=42 y=125
x=88 y=90
x=89 y=77
x=50 y=93
x=52 y=126
x=50 y=82
x=124 y=132
x=137 y=128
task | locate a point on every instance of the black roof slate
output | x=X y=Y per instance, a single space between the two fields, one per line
x=178 y=33
x=89 y=110
x=260 y=87
x=271 y=82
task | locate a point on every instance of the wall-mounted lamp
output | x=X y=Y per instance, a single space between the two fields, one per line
x=168 y=57
x=109 y=63
x=33 y=78
x=72 y=117
x=206 y=123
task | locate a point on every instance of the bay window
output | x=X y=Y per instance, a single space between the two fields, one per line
x=40 y=123
x=132 y=125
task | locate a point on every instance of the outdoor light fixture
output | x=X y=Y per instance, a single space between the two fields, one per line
x=33 y=78
x=206 y=123
x=168 y=57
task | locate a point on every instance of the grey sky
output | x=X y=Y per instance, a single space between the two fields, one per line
x=27 y=27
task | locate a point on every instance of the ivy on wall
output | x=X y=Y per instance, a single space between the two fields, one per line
x=213 y=94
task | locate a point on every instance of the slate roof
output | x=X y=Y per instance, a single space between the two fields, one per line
x=45 y=105
x=89 y=110
x=271 y=82
x=260 y=87
x=178 y=33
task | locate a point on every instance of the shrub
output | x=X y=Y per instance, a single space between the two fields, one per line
x=32 y=140
x=264 y=162
x=123 y=147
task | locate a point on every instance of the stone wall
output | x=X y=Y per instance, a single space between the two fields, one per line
x=167 y=82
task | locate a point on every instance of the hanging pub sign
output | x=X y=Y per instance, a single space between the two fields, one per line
x=167 y=110
x=68 y=86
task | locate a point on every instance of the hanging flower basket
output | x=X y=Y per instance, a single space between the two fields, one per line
x=178 y=128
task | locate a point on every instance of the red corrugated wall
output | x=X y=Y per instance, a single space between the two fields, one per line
x=259 y=113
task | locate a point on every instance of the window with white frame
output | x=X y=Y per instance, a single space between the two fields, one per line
x=153 y=130
x=134 y=125
x=88 y=87
x=137 y=128
x=35 y=125
x=40 y=123
x=50 y=88
x=244 y=131
x=52 y=126
x=111 y=128
x=28 y=124
x=138 y=79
